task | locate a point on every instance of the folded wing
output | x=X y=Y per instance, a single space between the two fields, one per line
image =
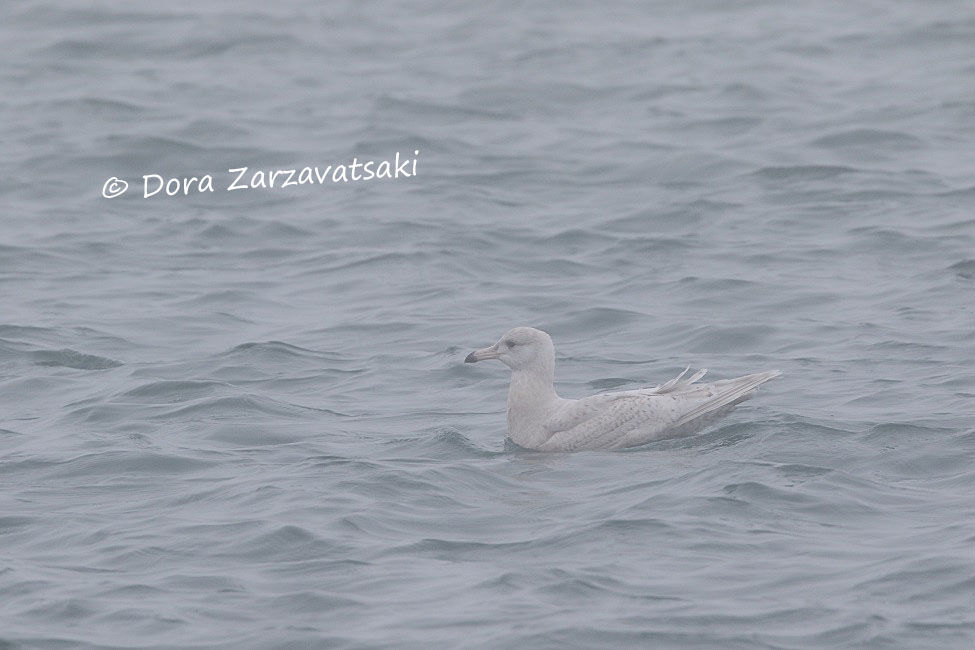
x=625 y=419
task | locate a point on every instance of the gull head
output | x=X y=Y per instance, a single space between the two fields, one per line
x=520 y=349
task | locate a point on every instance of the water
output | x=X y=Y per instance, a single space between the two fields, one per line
x=242 y=418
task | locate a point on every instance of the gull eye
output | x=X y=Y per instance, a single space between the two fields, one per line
x=510 y=344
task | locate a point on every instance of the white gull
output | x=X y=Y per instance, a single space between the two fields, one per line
x=539 y=419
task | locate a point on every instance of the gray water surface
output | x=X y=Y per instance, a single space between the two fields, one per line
x=242 y=419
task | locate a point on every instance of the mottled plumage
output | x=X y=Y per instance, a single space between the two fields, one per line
x=539 y=419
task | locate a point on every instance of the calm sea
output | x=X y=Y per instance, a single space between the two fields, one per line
x=242 y=418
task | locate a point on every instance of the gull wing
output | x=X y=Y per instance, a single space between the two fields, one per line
x=678 y=407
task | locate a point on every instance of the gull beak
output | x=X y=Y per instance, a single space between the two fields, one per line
x=483 y=354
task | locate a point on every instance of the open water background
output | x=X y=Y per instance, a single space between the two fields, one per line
x=241 y=419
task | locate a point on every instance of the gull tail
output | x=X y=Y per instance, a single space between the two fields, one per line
x=728 y=392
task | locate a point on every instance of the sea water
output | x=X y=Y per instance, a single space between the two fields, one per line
x=242 y=418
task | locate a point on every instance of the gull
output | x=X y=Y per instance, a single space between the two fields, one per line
x=539 y=419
